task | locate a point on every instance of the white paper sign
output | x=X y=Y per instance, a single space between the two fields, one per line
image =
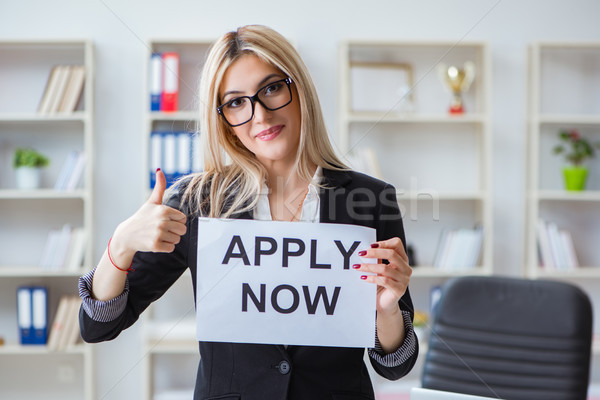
x=283 y=283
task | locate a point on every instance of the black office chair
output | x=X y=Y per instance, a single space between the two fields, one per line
x=510 y=338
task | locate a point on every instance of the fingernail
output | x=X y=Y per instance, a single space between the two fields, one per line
x=363 y=277
x=356 y=266
x=375 y=245
x=157 y=169
x=362 y=253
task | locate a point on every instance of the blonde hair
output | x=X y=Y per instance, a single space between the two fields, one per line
x=227 y=187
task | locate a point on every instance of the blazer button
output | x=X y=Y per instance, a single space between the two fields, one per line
x=284 y=367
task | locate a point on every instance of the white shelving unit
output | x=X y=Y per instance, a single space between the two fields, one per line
x=169 y=340
x=27 y=216
x=564 y=86
x=564 y=94
x=439 y=163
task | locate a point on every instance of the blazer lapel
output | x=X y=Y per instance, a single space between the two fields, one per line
x=333 y=196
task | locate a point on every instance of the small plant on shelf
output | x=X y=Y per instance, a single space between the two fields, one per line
x=28 y=164
x=576 y=150
x=29 y=158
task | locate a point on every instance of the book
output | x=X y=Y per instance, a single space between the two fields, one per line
x=175 y=153
x=64 y=249
x=32 y=315
x=66 y=170
x=71 y=334
x=58 y=324
x=73 y=89
x=184 y=153
x=545 y=250
x=197 y=155
x=76 y=251
x=64 y=73
x=65 y=327
x=458 y=249
x=156 y=81
x=49 y=90
x=569 y=247
x=170 y=90
x=76 y=174
x=24 y=314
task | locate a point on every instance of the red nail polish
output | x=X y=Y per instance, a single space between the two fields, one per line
x=362 y=253
x=363 y=277
x=157 y=169
x=356 y=266
x=375 y=245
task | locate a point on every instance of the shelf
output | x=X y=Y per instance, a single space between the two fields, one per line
x=377 y=117
x=432 y=194
x=41 y=194
x=425 y=271
x=561 y=195
x=34 y=271
x=174 y=116
x=569 y=119
x=77 y=116
x=584 y=272
x=17 y=349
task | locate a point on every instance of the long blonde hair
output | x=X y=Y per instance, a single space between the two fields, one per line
x=227 y=187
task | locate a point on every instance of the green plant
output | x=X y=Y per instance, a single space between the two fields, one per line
x=575 y=148
x=29 y=158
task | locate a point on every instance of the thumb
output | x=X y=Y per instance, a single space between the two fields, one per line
x=159 y=188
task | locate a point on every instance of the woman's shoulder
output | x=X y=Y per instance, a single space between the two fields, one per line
x=181 y=193
x=354 y=179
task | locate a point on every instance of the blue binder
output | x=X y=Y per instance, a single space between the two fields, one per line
x=32 y=314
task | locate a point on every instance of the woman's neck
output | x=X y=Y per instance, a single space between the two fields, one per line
x=287 y=191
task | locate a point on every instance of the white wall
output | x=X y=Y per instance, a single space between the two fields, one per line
x=120 y=29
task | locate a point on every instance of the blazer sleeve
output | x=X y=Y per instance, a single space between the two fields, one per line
x=389 y=226
x=153 y=274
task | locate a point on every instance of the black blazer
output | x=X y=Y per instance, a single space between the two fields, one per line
x=272 y=372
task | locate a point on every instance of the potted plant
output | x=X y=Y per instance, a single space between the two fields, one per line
x=576 y=150
x=28 y=164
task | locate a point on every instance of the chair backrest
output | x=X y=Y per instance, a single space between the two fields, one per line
x=510 y=338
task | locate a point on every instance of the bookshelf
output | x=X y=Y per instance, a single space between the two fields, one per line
x=440 y=163
x=28 y=215
x=169 y=339
x=563 y=95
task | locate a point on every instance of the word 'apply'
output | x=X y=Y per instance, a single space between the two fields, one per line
x=283 y=283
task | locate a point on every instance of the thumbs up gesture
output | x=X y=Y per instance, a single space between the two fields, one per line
x=154 y=227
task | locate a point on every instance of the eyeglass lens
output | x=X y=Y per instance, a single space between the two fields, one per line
x=273 y=96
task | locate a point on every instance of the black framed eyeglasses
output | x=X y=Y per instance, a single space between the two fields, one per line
x=272 y=96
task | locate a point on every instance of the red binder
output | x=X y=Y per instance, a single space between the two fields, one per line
x=170 y=94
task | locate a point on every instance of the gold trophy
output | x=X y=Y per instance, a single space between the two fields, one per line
x=458 y=81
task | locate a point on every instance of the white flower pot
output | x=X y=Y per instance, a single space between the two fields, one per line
x=28 y=177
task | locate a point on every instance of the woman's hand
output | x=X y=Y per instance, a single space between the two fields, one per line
x=154 y=227
x=391 y=279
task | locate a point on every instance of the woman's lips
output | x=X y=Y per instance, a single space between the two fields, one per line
x=269 y=134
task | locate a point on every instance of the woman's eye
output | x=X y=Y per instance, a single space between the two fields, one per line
x=235 y=103
x=274 y=88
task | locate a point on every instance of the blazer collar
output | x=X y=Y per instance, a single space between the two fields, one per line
x=332 y=179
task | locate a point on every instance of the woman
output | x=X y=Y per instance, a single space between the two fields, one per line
x=260 y=108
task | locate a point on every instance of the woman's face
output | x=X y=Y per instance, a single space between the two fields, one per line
x=273 y=136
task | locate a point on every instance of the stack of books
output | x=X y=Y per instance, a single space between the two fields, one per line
x=71 y=172
x=556 y=248
x=63 y=89
x=459 y=249
x=64 y=249
x=64 y=332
